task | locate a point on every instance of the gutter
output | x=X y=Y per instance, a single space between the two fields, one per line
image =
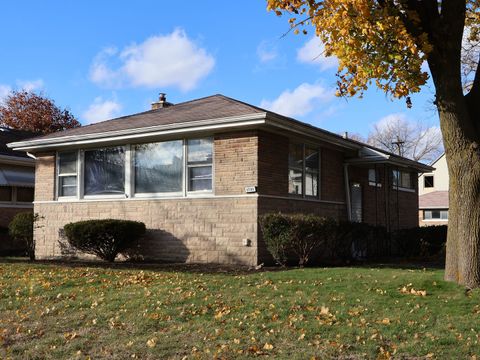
x=16 y=160
x=137 y=133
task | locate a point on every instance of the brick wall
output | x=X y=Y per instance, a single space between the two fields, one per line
x=179 y=230
x=385 y=206
x=45 y=177
x=272 y=164
x=332 y=184
x=235 y=162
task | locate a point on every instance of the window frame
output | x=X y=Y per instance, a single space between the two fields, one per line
x=194 y=193
x=129 y=180
x=134 y=194
x=424 y=181
x=431 y=218
x=304 y=146
x=377 y=181
x=58 y=175
x=399 y=185
x=126 y=175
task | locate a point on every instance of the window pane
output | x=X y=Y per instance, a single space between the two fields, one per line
x=200 y=178
x=311 y=160
x=444 y=214
x=395 y=178
x=427 y=214
x=159 y=167
x=311 y=184
x=68 y=162
x=435 y=214
x=5 y=193
x=295 y=182
x=406 y=180
x=199 y=151
x=105 y=171
x=295 y=156
x=24 y=194
x=67 y=186
x=428 y=181
x=373 y=176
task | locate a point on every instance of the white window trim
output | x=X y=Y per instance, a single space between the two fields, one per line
x=129 y=182
x=186 y=167
x=57 y=175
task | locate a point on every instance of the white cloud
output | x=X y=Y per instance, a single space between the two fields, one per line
x=101 y=110
x=266 y=52
x=300 y=101
x=30 y=85
x=312 y=52
x=160 y=61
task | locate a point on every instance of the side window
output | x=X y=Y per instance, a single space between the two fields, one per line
x=295 y=169
x=67 y=174
x=200 y=164
x=428 y=181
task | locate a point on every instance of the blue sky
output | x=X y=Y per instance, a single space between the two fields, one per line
x=104 y=59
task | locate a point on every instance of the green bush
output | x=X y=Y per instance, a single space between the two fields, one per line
x=104 y=238
x=276 y=234
x=421 y=241
x=21 y=229
x=298 y=234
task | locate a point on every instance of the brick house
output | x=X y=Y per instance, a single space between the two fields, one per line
x=17 y=173
x=199 y=174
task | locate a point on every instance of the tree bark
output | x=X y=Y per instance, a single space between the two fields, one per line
x=462 y=150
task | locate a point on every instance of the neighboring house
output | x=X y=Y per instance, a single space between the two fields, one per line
x=17 y=178
x=433 y=194
x=199 y=174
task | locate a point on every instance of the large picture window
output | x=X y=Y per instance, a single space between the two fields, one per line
x=67 y=173
x=6 y=194
x=159 y=167
x=104 y=171
x=199 y=164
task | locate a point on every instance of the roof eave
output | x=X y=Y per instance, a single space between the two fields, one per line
x=140 y=133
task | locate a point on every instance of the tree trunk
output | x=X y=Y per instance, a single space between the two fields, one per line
x=463 y=159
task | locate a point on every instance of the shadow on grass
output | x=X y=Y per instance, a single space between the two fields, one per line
x=220 y=269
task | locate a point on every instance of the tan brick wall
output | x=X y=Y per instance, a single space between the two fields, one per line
x=235 y=162
x=45 y=177
x=190 y=230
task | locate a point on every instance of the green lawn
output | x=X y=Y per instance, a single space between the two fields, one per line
x=54 y=312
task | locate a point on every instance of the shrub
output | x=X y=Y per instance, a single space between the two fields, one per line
x=276 y=234
x=421 y=241
x=307 y=233
x=21 y=229
x=104 y=238
x=298 y=234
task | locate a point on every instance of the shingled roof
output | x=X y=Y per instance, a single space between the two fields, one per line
x=433 y=200
x=211 y=107
x=10 y=135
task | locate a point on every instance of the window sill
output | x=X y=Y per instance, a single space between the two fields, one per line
x=371 y=183
x=435 y=220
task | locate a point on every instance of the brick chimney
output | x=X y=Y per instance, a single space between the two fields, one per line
x=161 y=103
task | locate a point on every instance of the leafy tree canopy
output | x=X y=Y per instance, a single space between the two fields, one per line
x=26 y=110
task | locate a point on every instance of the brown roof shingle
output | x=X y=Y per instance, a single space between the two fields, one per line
x=436 y=199
x=211 y=107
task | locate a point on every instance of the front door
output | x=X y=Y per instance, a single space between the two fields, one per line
x=356 y=202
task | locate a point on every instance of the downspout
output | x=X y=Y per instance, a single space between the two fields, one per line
x=32 y=156
x=347 y=192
